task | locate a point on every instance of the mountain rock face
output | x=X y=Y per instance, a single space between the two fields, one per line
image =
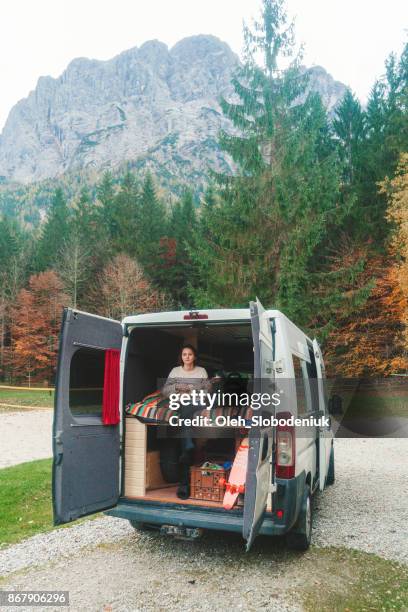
x=151 y=106
x=331 y=91
x=147 y=100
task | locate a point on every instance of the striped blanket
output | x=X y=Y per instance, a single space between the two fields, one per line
x=155 y=408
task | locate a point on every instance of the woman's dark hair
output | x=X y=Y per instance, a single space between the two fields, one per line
x=192 y=348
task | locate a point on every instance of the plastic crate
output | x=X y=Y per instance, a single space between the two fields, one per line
x=205 y=483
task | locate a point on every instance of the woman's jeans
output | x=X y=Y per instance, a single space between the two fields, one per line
x=187 y=431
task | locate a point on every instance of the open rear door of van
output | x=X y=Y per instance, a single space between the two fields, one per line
x=261 y=439
x=325 y=436
x=86 y=452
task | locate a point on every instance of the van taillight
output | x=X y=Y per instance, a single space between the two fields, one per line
x=193 y=315
x=285 y=448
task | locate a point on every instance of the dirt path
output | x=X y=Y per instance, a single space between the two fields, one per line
x=25 y=436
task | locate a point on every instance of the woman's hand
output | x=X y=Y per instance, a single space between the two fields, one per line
x=182 y=389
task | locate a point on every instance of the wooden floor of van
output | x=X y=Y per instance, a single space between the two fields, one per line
x=168 y=495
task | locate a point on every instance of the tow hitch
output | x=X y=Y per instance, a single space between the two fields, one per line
x=182 y=533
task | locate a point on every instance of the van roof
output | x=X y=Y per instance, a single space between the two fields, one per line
x=177 y=316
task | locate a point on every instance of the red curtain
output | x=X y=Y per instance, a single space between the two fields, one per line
x=110 y=404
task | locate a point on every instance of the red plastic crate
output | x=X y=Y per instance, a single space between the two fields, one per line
x=205 y=483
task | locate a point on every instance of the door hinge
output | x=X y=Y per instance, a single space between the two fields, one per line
x=279 y=366
x=268 y=367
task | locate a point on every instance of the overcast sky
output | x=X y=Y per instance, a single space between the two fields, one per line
x=350 y=38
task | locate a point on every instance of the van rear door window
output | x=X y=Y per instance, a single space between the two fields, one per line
x=313 y=381
x=86 y=382
x=302 y=386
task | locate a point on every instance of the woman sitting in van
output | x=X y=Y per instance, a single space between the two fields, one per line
x=184 y=379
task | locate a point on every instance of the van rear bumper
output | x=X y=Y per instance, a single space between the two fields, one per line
x=189 y=516
x=213 y=518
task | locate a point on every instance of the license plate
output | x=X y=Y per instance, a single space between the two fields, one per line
x=177 y=531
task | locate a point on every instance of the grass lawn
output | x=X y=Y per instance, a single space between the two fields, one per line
x=25 y=500
x=27 y=398
x=354 y=581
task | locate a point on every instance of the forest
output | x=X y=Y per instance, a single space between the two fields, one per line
x=313 y=221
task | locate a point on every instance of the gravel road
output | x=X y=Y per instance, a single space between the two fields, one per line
x=25 y=436
x=367 y=508
x=106 y=565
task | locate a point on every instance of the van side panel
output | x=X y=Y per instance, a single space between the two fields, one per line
x=292 y=341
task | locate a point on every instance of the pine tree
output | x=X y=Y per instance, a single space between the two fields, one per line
x=85 y=217
x=387 y=138
x=396 y=129
x=349 y=127
x=105 y=193
x=122 y=215
x=105 y=211
x=277 y=223
x=89 y=245
x=55 y=230
x=182 y=224
x=10 y=238
x=151 y=227
x=15 y=262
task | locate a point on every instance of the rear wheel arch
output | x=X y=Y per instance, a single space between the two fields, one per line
x=299 y=537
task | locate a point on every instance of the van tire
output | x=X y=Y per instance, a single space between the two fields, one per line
x=330 y=473
x=300 y=536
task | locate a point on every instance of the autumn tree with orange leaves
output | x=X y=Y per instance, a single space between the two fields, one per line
x=374 y=341
x=397 y=214
x=369 y=342
x=35 y=329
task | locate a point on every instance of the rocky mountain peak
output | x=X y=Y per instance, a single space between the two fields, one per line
x=331 y=91
x=152 y=106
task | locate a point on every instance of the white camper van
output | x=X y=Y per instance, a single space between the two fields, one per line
x=122 y=468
